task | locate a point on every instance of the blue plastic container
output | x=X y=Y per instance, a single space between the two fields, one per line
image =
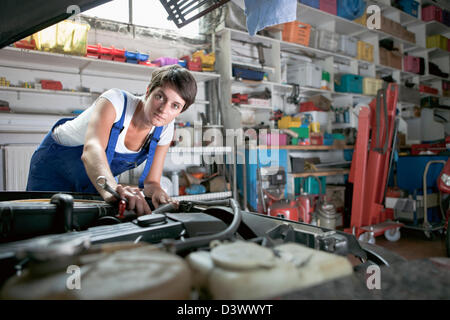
x=410 y=171
x=349 y=83
x=247 y=74
x=311 y=3
x=410 y=7
x=142 y=56
x=131 y=55
x=348 y=154
x=182 y=63
x=351 y=9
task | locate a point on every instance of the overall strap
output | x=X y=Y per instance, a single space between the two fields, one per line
x=151 y=151
x=115 y=131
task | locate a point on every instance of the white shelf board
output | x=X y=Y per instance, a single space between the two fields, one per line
x=203 y=150
x=36 y=60
x=254 y=107
x=53 y=92
x=435 y=27
x=432 y=77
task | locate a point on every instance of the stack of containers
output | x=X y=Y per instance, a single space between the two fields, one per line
x=349 y=83
x=411 y=64
x=446 y=17
x=327 y=40
x=305 y=74
x=371 y=86
x=351 y=9
x=432 y=12
x=297 y=32
x=329 y=6
x=410 y=6
x=446 y=88
x=135 y=57
x=365 y=51
x=311 y=3
x=437 y=41
x=348 y=45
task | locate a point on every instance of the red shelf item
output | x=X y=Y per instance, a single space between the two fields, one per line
x=51 y=85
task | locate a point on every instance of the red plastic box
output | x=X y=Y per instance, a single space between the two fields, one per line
x=329 y=6
x=432 y=13
x=411 y=64
x=427 y=89
x=51 y=85
x=308 y=106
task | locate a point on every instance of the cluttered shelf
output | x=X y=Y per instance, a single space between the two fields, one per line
x=308 y=148
x=34 y=60
x=321 y=173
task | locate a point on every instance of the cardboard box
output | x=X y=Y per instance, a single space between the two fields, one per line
x=384 y=56
x=395 y=60
x=321 y=102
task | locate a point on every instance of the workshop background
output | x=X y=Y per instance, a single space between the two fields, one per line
x=294 y=90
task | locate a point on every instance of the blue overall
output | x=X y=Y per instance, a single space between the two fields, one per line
x=55 y=167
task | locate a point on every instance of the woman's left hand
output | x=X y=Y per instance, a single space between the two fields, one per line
x=159 y=197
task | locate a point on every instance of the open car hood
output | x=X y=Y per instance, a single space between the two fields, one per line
x=19 y=19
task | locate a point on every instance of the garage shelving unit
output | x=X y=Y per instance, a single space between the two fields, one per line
x=275 y=49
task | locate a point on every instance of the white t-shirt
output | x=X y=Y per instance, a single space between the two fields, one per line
x=72 y=133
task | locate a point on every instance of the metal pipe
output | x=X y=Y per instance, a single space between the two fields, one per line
x=426 y=224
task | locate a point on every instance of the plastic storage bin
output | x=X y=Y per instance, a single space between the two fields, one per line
x=351 y=9
x=297 y=32
x=411 y=64
x=246 y=73
x=311 y=3
x=305 y=74
x=410 y=7
x=64 y=37
x=446 y=17
x=431 y=13
x=270 y=139
x=165 y=61
x=416 y=164
x=349 y=83
x=327 y=40
x=329 y=6
x=437 y=41
x=348 y=45
x=371 y=86
x=365 y=51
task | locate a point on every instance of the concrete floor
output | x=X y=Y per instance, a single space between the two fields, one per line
x=414 y=245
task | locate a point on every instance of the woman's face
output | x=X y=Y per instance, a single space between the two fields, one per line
x=163 y=105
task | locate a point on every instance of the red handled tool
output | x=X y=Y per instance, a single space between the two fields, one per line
x=102 y=183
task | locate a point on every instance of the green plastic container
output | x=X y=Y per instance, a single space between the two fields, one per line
x=303 y=132
x=326 y=76
x=310 y=185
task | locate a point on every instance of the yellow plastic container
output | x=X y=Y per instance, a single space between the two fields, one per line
x=362 y=20
x=208 y=60
x=437 y=41
x=287 y=121
x=65 y=37
x=371 y=86
x=365 y=51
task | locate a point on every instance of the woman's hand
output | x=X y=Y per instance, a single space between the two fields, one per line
x=157 y=194
x=135 y=198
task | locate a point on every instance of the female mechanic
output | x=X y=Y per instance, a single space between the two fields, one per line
x=116 y=133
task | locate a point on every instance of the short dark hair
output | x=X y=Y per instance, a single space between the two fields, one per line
x=177 y=77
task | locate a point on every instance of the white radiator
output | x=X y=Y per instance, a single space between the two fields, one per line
x=16 y=164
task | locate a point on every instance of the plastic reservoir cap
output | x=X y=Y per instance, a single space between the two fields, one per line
x=242 y=255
